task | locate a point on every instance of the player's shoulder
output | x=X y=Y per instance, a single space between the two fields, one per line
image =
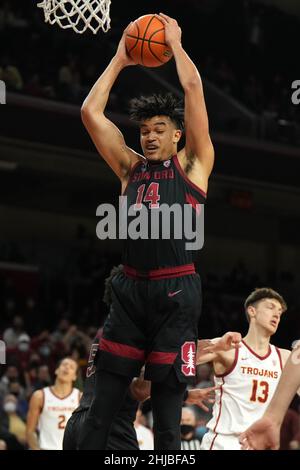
x=135 y=158
x=285 y=353
x=38 y=397
x=39 y=393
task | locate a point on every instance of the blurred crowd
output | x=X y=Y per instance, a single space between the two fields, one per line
x=252 y=63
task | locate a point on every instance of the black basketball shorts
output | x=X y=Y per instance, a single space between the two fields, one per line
x=152 y=322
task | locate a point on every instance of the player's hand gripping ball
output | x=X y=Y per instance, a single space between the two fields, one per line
x=145 y=42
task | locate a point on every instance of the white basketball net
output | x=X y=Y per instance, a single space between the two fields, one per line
x=79 y=15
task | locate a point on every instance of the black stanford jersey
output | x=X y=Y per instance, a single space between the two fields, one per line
x=158 y=187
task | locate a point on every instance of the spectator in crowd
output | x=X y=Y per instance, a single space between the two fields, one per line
x=10 y=375
x=61 y=329
x=21 y=353
x=11 y=334
x=9 y=442
x=10 y=421
x=16 y=389
x=143 y=433
x=43 y=378
x=189 y=440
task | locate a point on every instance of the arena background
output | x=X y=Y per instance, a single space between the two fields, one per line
x=52 y=266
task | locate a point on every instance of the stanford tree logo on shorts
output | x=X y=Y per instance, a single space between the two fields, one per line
x=188 y=356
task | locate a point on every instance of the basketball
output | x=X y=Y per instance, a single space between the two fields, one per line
x=145 y=42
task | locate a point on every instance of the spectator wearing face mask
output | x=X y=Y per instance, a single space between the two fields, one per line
x=10 y=375
x=11 y=421
x=49 y=352
x=22 y=352
x=16 y=389
x=188 y=429
x=11 y=335
x=201 y=428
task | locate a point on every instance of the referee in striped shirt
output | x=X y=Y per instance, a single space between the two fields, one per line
x=188 y=427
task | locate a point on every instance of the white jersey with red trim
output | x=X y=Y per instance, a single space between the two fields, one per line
x=54 y=416
x=245 y=390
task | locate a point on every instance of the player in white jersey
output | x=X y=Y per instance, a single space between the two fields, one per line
x=248 y=374
x=265 y=433
x=51 y=407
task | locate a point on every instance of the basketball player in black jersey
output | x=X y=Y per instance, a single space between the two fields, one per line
x=122 y=435
x=157 y=299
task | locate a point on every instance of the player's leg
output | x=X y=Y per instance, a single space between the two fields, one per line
x=122 y=434
x=121 y=357
x=176 y=307
x=70 y=441
x=167 y=399
x=110 y=391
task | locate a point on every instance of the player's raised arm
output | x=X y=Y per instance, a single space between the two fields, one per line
x=35 y=408
x=209 y=350
x=106 y=136
x=198 y=142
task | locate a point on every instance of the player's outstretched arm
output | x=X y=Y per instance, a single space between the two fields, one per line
x=211 y=350
x=35 y=408
x=107 y=138
x=265 y=433
x=198 y=142
x=200 y=396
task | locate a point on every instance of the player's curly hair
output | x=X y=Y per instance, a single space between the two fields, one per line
x=107 y=298
x=146 y=107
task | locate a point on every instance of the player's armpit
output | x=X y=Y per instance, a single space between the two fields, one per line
x=198 y=141
x=285 y=354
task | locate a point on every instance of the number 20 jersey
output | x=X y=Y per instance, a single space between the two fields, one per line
x=54 y=416
x=245 y=390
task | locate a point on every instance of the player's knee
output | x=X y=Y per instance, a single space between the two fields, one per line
x=167 y=438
